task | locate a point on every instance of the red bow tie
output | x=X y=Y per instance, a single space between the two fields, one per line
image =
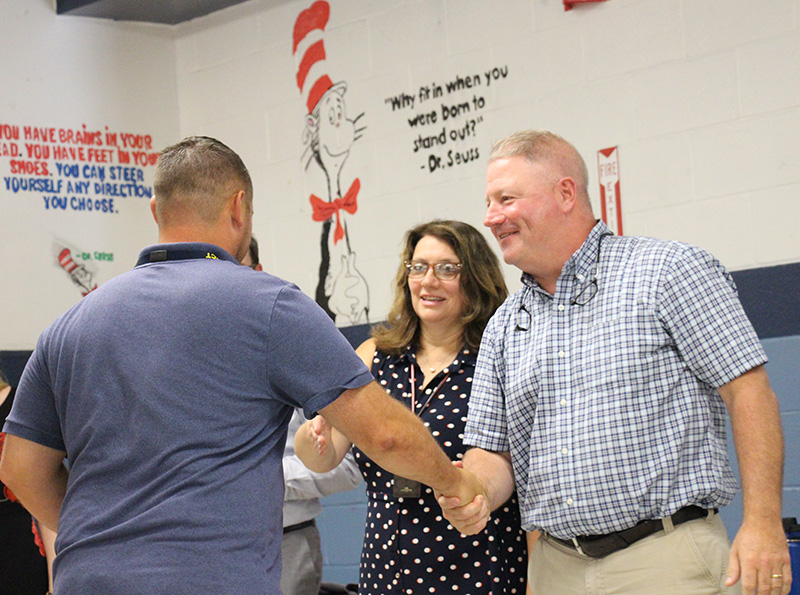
x=322 y=211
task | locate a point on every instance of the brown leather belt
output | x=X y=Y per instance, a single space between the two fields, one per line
x=600 y=546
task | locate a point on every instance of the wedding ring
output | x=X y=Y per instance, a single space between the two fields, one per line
x=777 y=576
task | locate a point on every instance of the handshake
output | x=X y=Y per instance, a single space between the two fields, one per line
x=461 y=488
x=466 y=506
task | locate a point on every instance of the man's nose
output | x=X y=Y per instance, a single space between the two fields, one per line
x=493 y=215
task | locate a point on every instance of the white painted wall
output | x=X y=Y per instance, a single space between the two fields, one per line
x=66 y=72
x=702 y=97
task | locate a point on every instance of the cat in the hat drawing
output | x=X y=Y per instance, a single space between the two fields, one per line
x=77 y=269
x=329 y=135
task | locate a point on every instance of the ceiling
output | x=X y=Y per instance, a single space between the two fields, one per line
x=169 y=12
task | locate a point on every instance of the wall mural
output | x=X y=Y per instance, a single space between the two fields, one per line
x=329 y=135
x=92 y=172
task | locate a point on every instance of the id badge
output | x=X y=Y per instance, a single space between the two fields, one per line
x=405 y=488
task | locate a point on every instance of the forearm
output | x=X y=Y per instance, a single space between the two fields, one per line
x=757 y=435
x=495 y=471
x=531 y=537
x=49 y=541
x=393 y=437
x=45 y=503
x=759 y=553
x=37 y=477
x=405 y=447
x=320 y=460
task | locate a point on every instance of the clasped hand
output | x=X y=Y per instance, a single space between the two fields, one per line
x=320 y=432
x=465 y=505
x=468 y=511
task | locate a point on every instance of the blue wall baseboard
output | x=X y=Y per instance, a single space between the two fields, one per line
x=341 y=529
x=784 y=376
x=771 y=298
x=12 y=363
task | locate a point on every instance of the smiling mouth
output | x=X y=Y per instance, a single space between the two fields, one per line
x=431 y=298
x=345 y=149
x=503 y=236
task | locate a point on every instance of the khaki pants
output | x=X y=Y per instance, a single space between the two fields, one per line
x=689 y=559
x=301 y=555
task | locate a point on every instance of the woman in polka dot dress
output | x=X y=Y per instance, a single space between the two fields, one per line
x=447 y=288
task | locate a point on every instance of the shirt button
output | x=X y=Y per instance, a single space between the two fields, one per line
x=563 y=401
x=561 y=307
x=564 y=451
x=560 y=354
x=580 y=277
x=569 y=501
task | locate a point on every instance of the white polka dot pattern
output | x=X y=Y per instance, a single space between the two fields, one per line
x=409 y=548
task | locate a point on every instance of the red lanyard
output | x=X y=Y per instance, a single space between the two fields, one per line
x=414 y=392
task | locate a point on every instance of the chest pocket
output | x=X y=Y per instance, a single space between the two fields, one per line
x=624 y=343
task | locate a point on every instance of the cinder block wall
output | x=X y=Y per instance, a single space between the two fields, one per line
x=701 y=97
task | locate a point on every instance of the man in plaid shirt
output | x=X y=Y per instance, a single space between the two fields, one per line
x=601 y=391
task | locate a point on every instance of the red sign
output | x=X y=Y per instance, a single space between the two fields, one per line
x=568 y=3
x=608 y=174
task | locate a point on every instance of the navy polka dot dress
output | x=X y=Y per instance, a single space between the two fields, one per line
x=409 y=547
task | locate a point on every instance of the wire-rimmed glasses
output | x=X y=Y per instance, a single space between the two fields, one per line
x=445 y=271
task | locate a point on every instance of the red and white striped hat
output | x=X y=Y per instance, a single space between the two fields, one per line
x=309 y=52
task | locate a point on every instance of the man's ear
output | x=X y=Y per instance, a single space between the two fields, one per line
x=153 y=208
x=568 y=193
x=239 y=209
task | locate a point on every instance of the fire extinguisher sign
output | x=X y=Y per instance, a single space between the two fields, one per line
x=608 y=175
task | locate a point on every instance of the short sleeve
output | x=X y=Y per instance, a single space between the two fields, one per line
x=699 y=307
x=486 y=420
x=310 y=362
x=34 y=415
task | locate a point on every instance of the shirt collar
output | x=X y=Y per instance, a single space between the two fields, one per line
x=580 y=265
x=583 y=262
x=182 y=251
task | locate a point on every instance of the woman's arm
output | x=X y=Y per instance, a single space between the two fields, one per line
x=320 y=446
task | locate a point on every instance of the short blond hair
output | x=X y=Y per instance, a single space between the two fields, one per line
x=539 y=146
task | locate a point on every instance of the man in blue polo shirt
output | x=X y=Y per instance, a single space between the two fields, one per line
x=169 y=390
x=601 y=390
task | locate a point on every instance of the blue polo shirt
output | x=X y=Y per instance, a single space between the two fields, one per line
x=170 y=388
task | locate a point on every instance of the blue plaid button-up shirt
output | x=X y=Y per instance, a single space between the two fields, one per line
x=605 y=393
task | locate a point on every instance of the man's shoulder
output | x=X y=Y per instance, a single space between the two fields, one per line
x=639 y=250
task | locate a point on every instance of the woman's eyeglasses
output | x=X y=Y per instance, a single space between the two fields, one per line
x=444 y=271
